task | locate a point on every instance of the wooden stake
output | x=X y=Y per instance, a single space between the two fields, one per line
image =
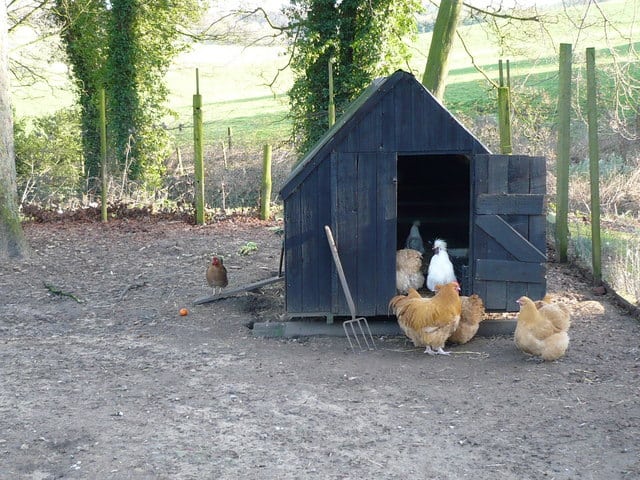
x=103 y=154
x=265 y=197
x=563 y=152
x=198 y=153
x=594 y=167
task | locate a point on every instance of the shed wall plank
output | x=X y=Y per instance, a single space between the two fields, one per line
x=503 y=270
x=386 y=219
x=293 y=253
x=346 y=220
x=367 y=255
x=509 y=204
x=310 y=246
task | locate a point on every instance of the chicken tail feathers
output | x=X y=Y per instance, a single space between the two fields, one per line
x=555 y=346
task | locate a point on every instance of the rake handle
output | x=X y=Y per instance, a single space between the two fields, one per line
x=343 y=279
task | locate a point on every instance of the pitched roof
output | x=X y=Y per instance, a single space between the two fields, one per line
x=356 y=110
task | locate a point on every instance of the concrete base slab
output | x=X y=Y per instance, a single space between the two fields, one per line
x=304 y=328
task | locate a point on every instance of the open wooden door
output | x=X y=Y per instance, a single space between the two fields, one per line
x=508 y=244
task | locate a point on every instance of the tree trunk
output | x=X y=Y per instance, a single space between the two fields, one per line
x=12 y=240
x=435 y=72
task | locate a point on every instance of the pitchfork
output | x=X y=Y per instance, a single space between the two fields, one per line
x=355 y=325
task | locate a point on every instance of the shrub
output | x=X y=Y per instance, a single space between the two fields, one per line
x=49 y=158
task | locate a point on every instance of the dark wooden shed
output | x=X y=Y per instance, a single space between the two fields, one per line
x=397 y=155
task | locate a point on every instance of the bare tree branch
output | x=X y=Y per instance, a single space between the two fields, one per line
x=473 y=62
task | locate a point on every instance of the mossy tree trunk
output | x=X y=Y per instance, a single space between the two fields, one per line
x=12 y=240
x=444 y=30
x=82 y=30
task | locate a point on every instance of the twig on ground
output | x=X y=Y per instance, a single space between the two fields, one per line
x=131 y=286
x=482 y=354
x=56 y=291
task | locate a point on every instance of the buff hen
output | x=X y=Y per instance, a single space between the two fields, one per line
x=557 y=313
x=542 y=331
x=471 y=316
x=428 y=322
x=408 y=270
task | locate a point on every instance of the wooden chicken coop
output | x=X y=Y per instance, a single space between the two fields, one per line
x=395 y=156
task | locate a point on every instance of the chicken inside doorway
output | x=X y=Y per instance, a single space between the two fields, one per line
x=435 y=189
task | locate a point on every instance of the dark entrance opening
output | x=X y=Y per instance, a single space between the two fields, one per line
x=436 y=190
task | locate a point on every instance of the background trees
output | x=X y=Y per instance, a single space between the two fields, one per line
x=125 y=47
x=365 y=38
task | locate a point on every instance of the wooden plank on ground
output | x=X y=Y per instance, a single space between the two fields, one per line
x=246 y=288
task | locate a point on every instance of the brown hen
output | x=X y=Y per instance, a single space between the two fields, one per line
x=471 y=316
x=217 y=275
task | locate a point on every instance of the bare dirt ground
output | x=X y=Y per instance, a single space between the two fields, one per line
x=115 y=384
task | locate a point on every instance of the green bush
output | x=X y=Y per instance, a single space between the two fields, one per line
x=49 y=158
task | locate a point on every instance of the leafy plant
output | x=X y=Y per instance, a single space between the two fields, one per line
x=248 y=248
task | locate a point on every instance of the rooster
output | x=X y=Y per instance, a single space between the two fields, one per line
x=542 y=331
x=428 y=322
x=217 y=275
x=414 y=240
x=471 y=316
x=440 y=267
x=408 y=270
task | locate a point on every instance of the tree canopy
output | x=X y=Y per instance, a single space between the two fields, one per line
x=125 y=46
x=363 y=38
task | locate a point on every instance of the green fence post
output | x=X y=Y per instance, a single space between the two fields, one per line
x=594 y=168
x=265 y=197
x=198 y=153
x=332 y=105
x=102 y=108
x=504 y=120
x=563 y=152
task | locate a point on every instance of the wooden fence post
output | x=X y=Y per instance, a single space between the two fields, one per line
x=504 y=120
x=265 y=196
x=198 y=153
x=504 y=113
x=594 y=167
x=102 y=108
x=332 y=105
x=563 y=152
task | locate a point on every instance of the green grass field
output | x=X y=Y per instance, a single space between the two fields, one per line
x=234 y=81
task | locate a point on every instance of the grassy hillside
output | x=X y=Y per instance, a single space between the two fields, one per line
x=234 y=81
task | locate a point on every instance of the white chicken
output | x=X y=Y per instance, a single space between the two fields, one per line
x=408 y=270
x=414 y=240
x=440 y=267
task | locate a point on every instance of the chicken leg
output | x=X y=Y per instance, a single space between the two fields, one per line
x=439 y=351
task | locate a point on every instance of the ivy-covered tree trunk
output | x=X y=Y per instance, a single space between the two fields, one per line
x=12 y=239
x=83 y=33
x=122 y=94
x=444 y=30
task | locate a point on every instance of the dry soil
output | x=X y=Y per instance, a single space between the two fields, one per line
x=101 y=378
